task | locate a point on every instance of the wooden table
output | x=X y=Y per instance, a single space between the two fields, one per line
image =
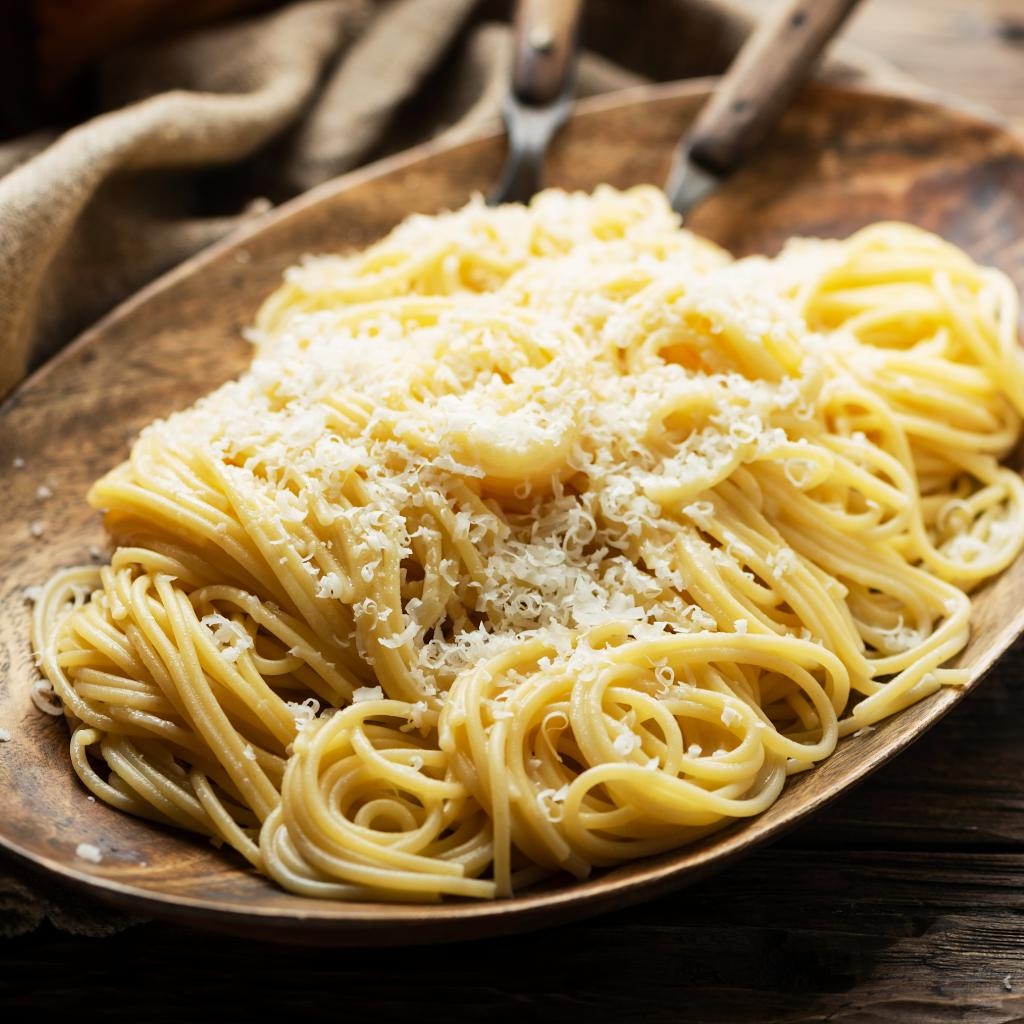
x=904 y=902
x=974 y=48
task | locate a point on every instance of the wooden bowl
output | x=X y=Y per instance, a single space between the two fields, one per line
x=839 y=160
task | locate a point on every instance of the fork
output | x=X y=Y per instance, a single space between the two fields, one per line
x=540 y=96
x=746 y=103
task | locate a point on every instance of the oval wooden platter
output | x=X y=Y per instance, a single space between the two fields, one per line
x=839 y=160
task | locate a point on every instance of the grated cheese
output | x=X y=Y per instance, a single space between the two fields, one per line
x=230 y=636
x=550 y=802
x=303 y=713
x=89 y=852
x=730 y=716
x=625 y=743
x=365 y=693
x=329 y=586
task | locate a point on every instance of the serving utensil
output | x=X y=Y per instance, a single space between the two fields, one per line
x=540 y=95
x=839 y=159
x=751 y=96
x=748 y=100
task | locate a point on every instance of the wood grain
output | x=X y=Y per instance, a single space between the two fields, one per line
x=970 y=49
x=546 y=34
x=774 y=62
x=744 y=950
x=839 y=160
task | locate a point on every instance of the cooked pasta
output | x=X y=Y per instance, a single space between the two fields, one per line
x=542 y=538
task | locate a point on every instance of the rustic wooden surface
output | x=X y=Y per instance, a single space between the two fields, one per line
x=903 y=902
x=973 y=49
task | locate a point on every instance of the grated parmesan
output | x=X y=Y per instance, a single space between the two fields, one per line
x=730 y=716
x=625 y=743
x=89 y=852
x=229 y=635
x=365 y=693
x=329 y=586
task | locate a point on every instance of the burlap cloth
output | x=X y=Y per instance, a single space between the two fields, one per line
x=201 y=132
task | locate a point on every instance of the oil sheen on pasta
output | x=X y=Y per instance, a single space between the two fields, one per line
x=539 y=539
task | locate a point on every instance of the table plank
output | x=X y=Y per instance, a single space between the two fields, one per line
x=788 y=936
x=971 y=48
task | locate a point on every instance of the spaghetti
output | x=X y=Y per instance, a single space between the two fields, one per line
x=542 y=538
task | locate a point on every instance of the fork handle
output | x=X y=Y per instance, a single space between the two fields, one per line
x=545 y=33
x=762 y=80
